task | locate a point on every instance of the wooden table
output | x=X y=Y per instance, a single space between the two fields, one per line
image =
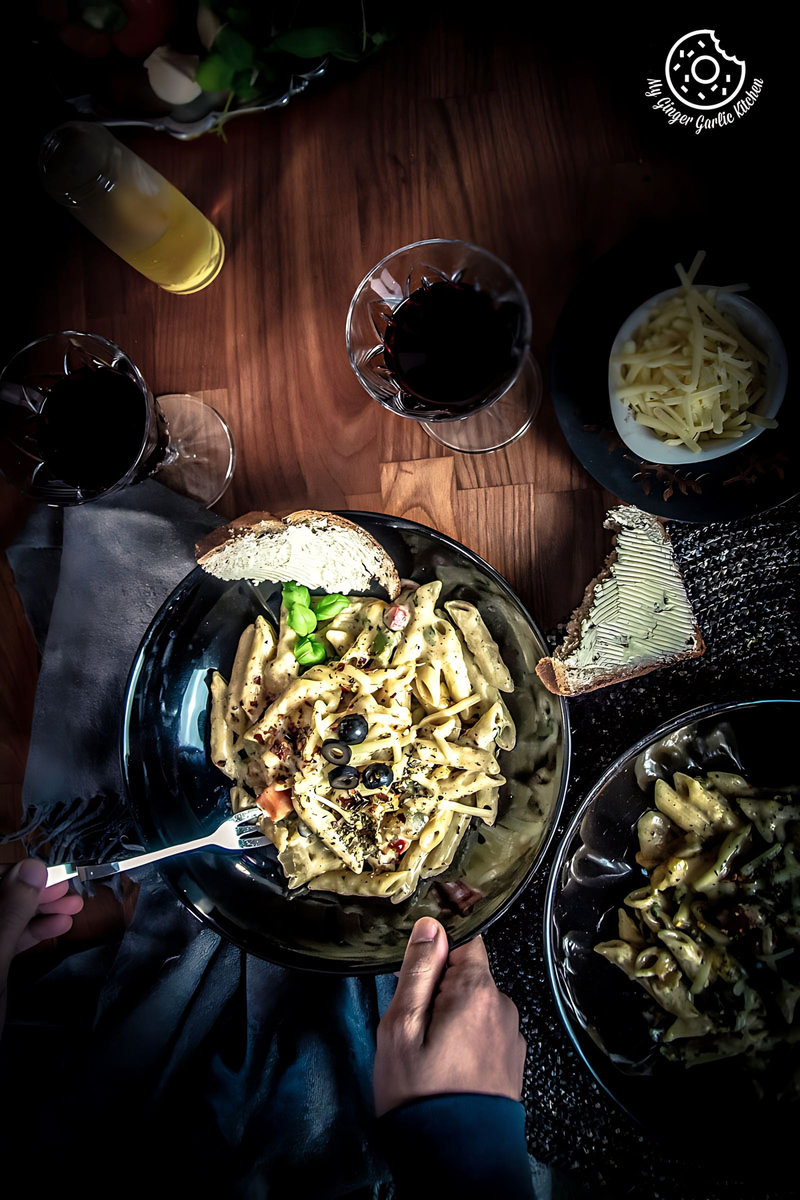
x=534 y=141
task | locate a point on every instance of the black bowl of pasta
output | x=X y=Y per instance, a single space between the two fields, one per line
x=672 y=930
x=294 y=903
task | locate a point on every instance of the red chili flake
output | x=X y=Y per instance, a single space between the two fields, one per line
x=258 y=738
x=401 y=818
x=253 y=704
x=399 y=844
x=257 y=679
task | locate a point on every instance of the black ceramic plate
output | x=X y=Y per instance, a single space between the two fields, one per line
x=594 y=869
x=754 y=479
x=176 y=793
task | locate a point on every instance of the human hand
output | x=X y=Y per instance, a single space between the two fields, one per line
x=448 y=1029
x=30 y=912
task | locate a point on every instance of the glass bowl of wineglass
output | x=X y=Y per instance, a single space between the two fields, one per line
x=78 y=422
x=439 y=331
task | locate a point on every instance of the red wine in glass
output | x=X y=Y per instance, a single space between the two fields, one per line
x=90 y=428
x=440 y=331
x=77 y=421
x=450 y=346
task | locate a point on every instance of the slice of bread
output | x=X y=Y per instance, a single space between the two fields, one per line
x=635 y=615
x=317 y=549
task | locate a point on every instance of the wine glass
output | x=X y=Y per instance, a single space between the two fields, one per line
x=78 y=422
x=439 y=331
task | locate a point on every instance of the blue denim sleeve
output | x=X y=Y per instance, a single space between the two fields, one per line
x=469 y=1146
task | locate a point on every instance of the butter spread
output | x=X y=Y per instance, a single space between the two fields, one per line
x=640 y=613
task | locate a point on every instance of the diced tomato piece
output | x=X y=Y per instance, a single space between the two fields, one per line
x=276 y=802
x=149 y=23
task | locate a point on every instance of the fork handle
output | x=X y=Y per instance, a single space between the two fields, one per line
x=102 y=870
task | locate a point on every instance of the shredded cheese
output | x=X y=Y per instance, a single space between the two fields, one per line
x=688 y=373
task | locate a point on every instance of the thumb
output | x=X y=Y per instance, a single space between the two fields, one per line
x=423 y=963
x=20 y=893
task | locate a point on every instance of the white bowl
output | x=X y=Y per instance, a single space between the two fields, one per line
x=755 y=325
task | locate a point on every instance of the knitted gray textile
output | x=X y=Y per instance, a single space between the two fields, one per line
x=743 y=579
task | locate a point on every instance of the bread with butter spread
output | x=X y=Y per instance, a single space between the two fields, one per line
x=317 y=549
x=635 y=616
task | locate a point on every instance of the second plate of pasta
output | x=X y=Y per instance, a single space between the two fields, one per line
x=672 y=921
x=456 y=778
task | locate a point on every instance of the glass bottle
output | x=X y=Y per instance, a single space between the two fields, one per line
x=130 y=207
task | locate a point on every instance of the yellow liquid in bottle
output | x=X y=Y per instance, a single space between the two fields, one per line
x=130 y=207
x=152 y=226
x=174 y=244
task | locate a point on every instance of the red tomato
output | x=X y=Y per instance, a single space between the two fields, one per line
x=275 y=802
x=149 y=23
x=91 y=43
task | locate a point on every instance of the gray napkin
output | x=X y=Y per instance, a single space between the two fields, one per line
x=91 y=578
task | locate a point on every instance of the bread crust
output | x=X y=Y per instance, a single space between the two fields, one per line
x=262 y=522
x=556 y=680
x=213 y=541
x=551 y=670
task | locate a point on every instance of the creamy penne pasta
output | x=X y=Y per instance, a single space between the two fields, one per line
x=371 y=766
x=714 y=934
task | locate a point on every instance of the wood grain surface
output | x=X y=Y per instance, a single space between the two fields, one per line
x=531 y=139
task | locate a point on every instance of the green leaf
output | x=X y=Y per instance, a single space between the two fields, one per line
x=309 y=650
x=214 y=74
x=328 y=607
x=104 y=15
x=318 y=41
x=266 y=73
x=301 y=619
x=234 y=48
x=295 y=593
x=243 y=84
x=380 y=642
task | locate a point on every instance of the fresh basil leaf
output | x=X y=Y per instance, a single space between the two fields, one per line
x=309 y=650
x=380 y=642
x=103 y=15
x=243 y=84
x=295 y=593
x=317 y=41
x=215 y=74
x=328 y=607
x=234 y=48
x=301 y=619
x=429 y=633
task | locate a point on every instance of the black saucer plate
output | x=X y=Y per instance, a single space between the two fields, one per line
x=754 y=479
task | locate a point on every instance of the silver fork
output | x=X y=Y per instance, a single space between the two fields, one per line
x=239 y=832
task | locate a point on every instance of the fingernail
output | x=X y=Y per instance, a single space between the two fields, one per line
x=425 y=930
x=33 y=872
